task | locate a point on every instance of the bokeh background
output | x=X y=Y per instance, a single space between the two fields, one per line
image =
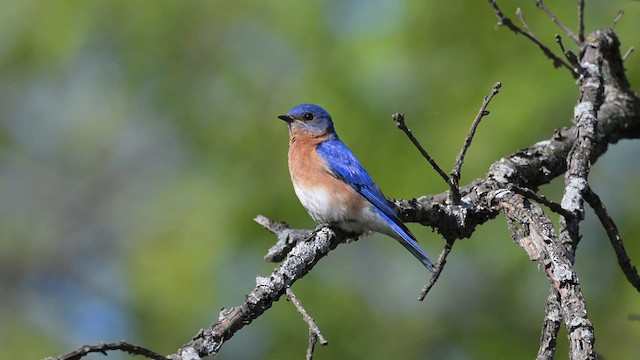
x=139 y=139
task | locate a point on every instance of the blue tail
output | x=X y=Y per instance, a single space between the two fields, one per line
x=346 y=167
x=408 y=240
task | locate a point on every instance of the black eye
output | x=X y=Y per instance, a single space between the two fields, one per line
x=307 y=116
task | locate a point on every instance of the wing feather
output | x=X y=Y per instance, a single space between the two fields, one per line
x=344 y=165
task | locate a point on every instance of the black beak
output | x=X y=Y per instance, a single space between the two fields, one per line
x=286 y=118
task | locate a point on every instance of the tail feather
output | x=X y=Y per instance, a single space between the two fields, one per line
x=408 y=240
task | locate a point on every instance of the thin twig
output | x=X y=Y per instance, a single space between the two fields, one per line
x=554 y=206
x=103 y=348
x=455 y=173
x=442 y=260
x=560 y=43
x=581 y=21
x=399 y=119
x=298 y=263
x=570 y=55
x=617 y=18
x=520 y=15
x=557 y=61
x=629 y=52
x=627 y=268
x=314 y=331
x=553 y=18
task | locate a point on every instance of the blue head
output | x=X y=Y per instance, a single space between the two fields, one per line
x=309 y=118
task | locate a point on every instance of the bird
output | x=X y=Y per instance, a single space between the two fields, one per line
x=333 y=186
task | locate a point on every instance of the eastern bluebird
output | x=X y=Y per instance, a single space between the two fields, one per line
x=332 y=184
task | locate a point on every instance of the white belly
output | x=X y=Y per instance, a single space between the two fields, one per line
x=319 y=204
x=324 y=209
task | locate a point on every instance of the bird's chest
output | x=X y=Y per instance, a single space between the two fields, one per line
x=326 y=198
x=320 y=204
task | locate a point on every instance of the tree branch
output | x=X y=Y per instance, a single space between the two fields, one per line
x=580 y=21
x=626 y=266
x=400 y=124
x=503 y=20
x=287 y=237
x=581 y=338
x=299 y=261
x=552 y=205
x=543 y=245
x=618 y=118
x=550 y=327
x=103 y=348
x=562 y=26
x=442 y=260
x=455 y=173
x=314 y=331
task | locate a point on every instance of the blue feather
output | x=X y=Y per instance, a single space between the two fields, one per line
x=346 y=166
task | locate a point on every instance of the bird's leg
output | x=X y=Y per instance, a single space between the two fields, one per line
x=320 y=227
x=350 y=233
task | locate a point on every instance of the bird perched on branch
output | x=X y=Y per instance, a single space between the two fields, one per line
x=332 y=184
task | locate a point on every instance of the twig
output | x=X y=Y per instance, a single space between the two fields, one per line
x=553 y=18
x=581 y=21
x=520 y=14
x=557 y=61
x=103 y=348
x=617 y=18
x=287 y=237
x=570 y=55
x=442 y=260
x=554 y=206
x=626 y=266
x=299 y=261
x=399 y=119
x=628 y=53
x=455 y=173
x=314 y=331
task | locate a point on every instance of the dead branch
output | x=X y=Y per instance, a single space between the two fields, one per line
x=400 y=124
x=299 y=261
x=562 y=26
x=104 y=348
x=455 y=173
x=442 y=260
x=626 y=266
x=550 y=326
x=504 y=20
x=314 y=331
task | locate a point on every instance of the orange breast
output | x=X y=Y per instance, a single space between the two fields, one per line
x=326 y=198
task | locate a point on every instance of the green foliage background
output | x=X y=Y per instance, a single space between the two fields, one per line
x=138 y=139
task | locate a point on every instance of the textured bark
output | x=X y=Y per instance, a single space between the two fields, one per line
x=299 y=261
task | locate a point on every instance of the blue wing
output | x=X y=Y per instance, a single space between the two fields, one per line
x=345 y=166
